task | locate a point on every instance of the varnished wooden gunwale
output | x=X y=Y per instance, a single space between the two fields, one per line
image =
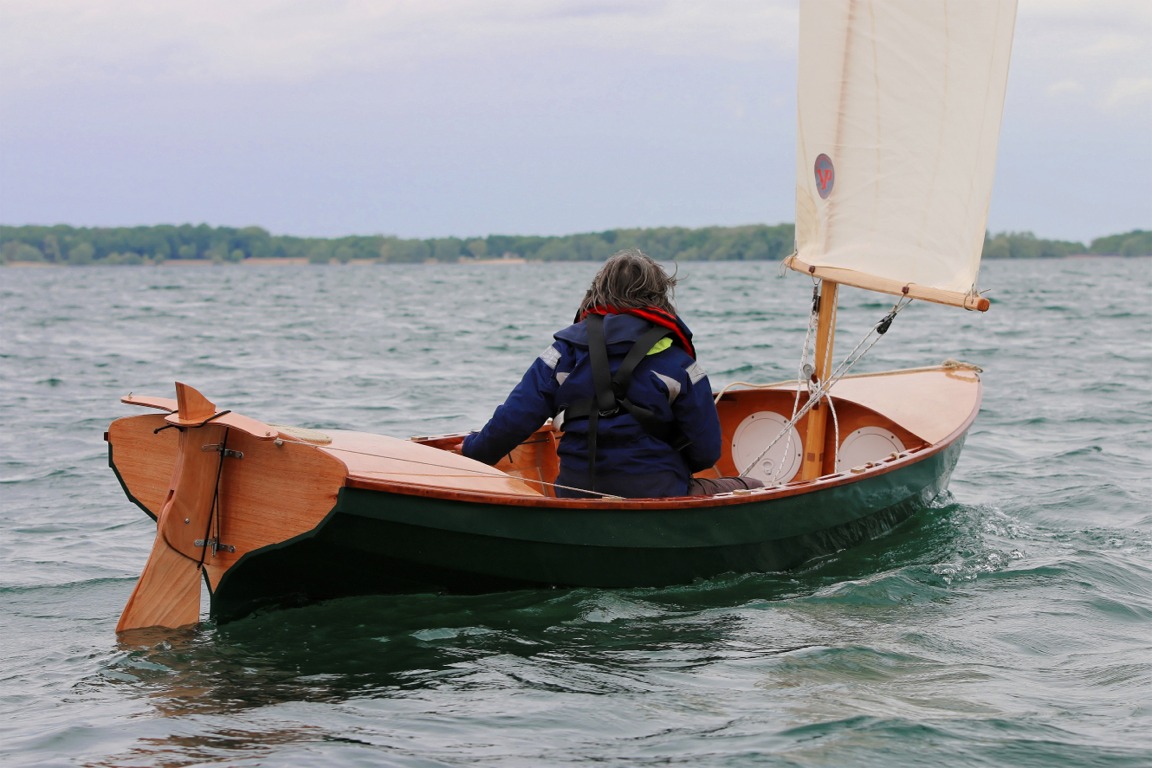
x=758 y=495
x=962 y=413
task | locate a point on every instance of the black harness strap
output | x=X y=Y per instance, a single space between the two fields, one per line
x=640 y=350
x=623 y=379
x=605 y=400
x=602 y=379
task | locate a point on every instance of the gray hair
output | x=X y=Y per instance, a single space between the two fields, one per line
x=630 y=279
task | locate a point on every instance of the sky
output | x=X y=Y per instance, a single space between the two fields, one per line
x=438 y=118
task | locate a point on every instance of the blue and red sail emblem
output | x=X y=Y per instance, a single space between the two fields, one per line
x=825 y=175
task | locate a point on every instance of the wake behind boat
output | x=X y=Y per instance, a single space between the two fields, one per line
x=894 y=175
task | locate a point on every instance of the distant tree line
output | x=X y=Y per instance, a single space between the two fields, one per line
x=1025 y=245
x=153 y=245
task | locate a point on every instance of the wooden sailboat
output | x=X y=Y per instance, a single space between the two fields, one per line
x=899 y=114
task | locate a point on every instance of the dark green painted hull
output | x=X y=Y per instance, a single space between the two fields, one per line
x=375 y=542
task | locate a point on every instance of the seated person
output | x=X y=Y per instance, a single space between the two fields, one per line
x=623 y=385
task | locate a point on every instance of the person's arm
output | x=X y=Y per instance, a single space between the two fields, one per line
x=696 y=416
x=525 y=410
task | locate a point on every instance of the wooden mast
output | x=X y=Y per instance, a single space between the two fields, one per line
x=813 y=465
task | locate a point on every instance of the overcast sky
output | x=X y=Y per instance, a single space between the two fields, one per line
x=431 y=118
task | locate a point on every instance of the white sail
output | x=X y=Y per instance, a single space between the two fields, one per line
x=899 y=116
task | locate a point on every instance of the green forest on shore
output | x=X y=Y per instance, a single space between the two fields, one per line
x=66 y=245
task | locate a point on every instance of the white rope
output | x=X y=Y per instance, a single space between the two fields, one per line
x=820 y=391
x=804 y=373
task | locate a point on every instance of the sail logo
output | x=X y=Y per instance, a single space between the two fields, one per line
x=825 y=175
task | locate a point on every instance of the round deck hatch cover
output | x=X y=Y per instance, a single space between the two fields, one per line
x=781 y=462
x=866 y=444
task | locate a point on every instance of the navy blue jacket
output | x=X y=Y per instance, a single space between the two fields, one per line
x=630 y=462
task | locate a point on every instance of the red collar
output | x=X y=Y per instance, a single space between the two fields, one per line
x=656 y=316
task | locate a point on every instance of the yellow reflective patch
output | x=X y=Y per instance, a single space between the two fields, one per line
x=660 y=346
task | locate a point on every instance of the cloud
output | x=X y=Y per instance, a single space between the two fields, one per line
x=1130 y=92
x=1101 y=45
x=1066 y=87
x=288 y=40
x=1085 y=56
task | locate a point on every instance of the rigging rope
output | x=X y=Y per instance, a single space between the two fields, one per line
x=818 y=390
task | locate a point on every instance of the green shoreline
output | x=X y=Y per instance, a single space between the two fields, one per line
x=201 y=244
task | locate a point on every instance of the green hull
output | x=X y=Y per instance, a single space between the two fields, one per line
x=374 y=542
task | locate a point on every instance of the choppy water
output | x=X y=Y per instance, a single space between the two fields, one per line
x=1011 y=625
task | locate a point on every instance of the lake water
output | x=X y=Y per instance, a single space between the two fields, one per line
x=1009 y=625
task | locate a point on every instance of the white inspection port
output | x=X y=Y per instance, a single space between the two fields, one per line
x=781 y=462
x=867 y=444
